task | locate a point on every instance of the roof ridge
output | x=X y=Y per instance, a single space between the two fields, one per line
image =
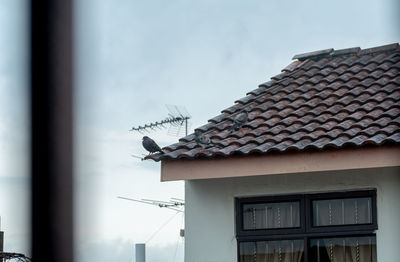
x=380 y=49
x=330 y=52
x=313 y=54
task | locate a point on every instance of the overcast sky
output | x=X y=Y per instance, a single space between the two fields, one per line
x=132 y=58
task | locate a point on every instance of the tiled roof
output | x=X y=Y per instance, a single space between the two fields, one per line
x=324 y=99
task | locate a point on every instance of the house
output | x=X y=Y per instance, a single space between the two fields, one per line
x=314 y=173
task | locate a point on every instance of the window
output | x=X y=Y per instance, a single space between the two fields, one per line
x=323 y=227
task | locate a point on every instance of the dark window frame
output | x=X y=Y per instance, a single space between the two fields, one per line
x=341 y=195
x=306 y=231
x=271 y=199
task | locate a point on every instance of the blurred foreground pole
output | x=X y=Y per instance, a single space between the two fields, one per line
x=51 y=130
x=1 y=241
x=140 y=250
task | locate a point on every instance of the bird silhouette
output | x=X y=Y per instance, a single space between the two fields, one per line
x=150 y=145
x=239 y=120
x=202 y=140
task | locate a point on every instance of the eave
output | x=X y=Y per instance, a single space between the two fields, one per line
x=280 y=163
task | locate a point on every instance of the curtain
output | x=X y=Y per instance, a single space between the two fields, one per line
x=271 y=215
x=361 y=249
x=272 y=251
x=355 y=249
x=247 y=251
x=350 y=211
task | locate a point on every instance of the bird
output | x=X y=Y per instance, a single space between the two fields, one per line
x=239 y=120
x=150 y=145
x=202 y=140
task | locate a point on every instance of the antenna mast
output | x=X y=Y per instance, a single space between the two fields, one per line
x=177 y=117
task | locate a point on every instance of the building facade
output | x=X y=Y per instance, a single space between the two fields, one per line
x=304 y=168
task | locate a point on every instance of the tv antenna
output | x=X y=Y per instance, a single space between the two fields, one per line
x=177 y=117
x=175 y=204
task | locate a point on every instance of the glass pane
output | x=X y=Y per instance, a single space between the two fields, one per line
x=349 y=211
x=271 y=251
x=357 y=249
x=271 y=215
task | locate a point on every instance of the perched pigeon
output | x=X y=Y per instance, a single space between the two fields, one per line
x=239 y=120
x=150 y=145
x=202 y=140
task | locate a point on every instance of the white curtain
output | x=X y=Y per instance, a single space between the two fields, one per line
x=342 y=212
x=272 y=251
x=357 y=249
x=271 y=215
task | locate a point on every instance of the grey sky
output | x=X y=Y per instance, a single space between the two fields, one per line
x=14 y=127
x=132 y=58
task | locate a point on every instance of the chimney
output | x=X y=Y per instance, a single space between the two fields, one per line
x=140 y=250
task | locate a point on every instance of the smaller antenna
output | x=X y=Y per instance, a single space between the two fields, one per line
x=173 y=205
x=178 y=199
x=141 y=158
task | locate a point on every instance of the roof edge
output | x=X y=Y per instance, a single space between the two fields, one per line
x=314 y=54
x=266 y=84
x=347 y=51
x=378 y=49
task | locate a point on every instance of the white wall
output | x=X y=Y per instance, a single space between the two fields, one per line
x=209 y=207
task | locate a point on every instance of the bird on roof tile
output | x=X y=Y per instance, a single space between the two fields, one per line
x=239 y=120
x=202 y=139
x=150 y=145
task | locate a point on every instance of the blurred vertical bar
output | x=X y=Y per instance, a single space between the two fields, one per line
x=51 y=130
x=1 y=241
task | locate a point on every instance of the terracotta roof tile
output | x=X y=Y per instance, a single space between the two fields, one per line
x=324 y=99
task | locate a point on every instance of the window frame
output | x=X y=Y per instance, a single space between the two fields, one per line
x=306 y=231
x=269 y=199
x=341 y=195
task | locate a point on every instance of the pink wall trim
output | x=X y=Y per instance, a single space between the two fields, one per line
x=278 y=163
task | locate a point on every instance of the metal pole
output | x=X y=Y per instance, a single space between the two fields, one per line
x=186 y=126
x=1 y=238
x=140 y=250
x=1 y=241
